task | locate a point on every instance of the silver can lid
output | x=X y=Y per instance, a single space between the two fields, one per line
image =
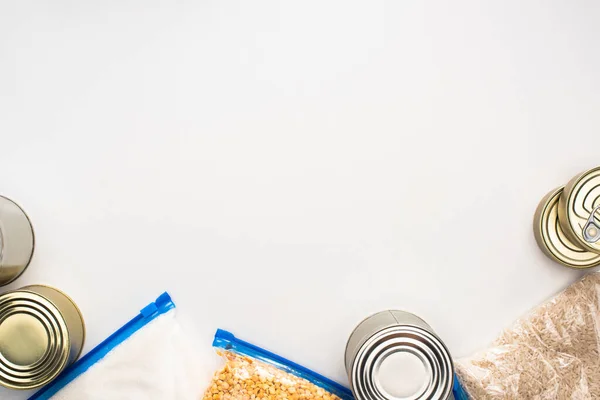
x=380 y=362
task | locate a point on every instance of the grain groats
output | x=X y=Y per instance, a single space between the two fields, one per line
x=552 y=353
x=252 y=373
x=244 y=378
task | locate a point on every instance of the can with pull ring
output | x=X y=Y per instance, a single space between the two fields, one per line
x=552 y=239
x=579 y=210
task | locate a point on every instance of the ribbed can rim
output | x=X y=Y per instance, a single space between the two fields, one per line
x=553 y=241
x=403 y=338
x=579 y=209
x=31 y=305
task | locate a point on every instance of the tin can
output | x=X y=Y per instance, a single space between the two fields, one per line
x=16 y=241
x=579 y=210
x=41 y=333
x=552 y=240
x=395 y=355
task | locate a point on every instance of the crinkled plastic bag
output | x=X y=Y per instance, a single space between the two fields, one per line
x=149 y=358
x=551 y=353
x=252 y=373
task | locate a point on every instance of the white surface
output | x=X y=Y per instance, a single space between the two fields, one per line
x=286 y=169
x=155 y=363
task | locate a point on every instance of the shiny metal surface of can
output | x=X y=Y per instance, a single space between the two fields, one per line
x=382 y=336
x=41 y=333
x=552 y=240
x=16 y=241
x=579 y=210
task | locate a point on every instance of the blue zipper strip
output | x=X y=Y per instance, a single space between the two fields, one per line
x=227 y=341
x=162 y=304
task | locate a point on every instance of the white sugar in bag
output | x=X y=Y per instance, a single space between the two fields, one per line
x=147 y=359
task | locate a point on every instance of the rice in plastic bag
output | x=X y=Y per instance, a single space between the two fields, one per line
x=551 y=353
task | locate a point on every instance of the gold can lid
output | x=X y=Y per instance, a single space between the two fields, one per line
x=34 y=341
x=552 y=240
x=579 y=210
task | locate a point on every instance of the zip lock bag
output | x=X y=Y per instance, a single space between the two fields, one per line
x=149 y=358
x=252 y=373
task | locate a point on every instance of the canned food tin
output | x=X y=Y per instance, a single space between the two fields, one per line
x=395 y=355
x=16 y=241
x=579 y=210
x=41 y=333
x=552 y=240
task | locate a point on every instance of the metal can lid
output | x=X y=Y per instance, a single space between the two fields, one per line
x=34 y=341
x=434 y=378
x=552 y=240
x=579 y=210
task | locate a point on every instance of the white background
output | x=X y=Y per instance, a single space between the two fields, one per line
x=284 y=169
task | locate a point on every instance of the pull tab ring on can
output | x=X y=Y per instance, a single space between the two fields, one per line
x=591 y=230
x=577 y=210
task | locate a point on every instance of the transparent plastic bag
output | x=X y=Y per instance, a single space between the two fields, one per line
x=252 y=373
x=551 y=353
x=151 y=357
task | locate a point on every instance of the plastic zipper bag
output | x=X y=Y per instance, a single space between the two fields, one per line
x=252 y=373
x=149 y=358
x=553 y=352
